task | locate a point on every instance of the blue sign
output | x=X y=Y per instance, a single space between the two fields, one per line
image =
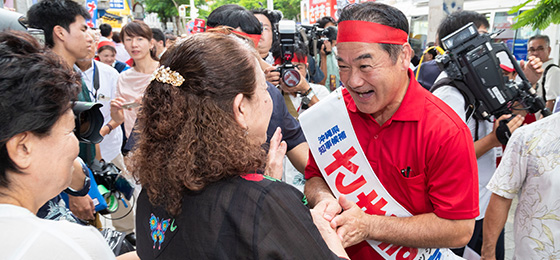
x=116 y=4
x=520 y=49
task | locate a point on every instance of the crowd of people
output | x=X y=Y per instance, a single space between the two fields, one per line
x=228 y=160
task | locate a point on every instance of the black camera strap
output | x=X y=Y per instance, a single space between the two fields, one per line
x=470 y=100
x=544 y=79
x=95 y=79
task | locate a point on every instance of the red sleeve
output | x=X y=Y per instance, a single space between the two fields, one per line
x=453 y=178
x=312 y=170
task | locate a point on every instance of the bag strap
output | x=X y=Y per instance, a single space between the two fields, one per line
x=544 y=79
x=291 y=108
x=470 y=100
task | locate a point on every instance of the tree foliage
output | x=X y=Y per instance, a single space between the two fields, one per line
x=168 y=8
x=540 y=17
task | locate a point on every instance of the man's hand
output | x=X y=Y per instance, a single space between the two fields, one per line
x=326 y=48
x=513 y=124
x=352 y=224
x=532 y=68
x=272 y=75
x=82 y=207
x=276 y=153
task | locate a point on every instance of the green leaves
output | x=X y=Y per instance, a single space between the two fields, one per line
x=167 y=9
x=546 y=12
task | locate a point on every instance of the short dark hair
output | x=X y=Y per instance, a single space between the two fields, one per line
x=170 y=36
x=300 y=49
x=381 y=14
x=158 y=35
x=458 y=19
x=105 y=29
x=234 y=16
x=323 y=21
x=117 y=37
x=274 y=16
x=540 y=37
x=36 y=88
x=47 y=14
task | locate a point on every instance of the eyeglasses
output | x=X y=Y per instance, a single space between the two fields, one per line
x=540 y=48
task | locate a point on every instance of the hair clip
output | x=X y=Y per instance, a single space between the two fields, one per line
x=168 y=76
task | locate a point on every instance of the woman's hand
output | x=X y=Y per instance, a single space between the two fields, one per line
x=328 y=233
x=276 y=152
x=117 y=113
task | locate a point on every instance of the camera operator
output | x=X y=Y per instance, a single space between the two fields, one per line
x=484 y=133
x=327 y=57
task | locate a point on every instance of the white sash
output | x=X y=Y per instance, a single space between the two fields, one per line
x=347 y=171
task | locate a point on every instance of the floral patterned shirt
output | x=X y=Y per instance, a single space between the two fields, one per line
x=530 y=168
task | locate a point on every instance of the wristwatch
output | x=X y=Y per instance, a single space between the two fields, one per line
x=307 y=96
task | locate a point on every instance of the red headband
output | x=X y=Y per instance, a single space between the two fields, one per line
x=103 y=43
x=296 y=58
x=254 y=37
x=362 y=31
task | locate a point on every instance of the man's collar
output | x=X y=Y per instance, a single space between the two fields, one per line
x=411 y=108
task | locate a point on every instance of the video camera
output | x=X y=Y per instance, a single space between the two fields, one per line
x=313 y=36
x=472 y=58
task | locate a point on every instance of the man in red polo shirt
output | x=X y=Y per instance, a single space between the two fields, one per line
x=419 y=149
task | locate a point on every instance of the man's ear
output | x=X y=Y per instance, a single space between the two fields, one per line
x=19 y=149
x=59 y=33
x=405 y=56
x=239 y=110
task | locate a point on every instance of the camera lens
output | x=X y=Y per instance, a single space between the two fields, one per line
x=291 y=77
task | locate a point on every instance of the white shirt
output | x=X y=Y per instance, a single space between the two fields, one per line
x=108 y=77
x=552 y=82
x=487 y=162
x=530 y=169
x=25 y=236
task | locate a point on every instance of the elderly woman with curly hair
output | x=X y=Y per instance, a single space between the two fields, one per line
x=200 y=162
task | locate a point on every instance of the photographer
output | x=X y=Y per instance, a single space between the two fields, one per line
x=484 y=133
x=305 y=94
x=64 y=25
x=327 y=57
